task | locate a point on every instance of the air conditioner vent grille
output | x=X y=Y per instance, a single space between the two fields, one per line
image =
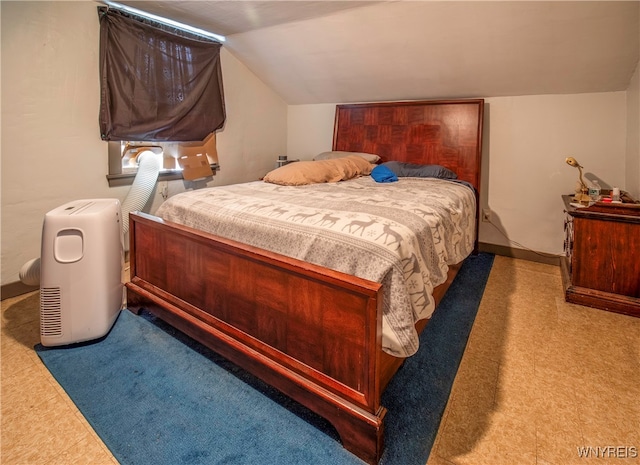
x=50 y=312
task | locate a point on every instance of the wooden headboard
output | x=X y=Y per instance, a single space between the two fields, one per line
x=439 y=132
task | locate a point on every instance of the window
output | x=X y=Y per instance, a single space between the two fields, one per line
x=123 y=165
x=159 y=86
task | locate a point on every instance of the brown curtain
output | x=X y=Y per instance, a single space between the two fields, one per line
x=157 y=83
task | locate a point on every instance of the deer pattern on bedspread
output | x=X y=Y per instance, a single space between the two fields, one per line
x=403 y=234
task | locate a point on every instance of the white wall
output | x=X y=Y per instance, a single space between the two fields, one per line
x=632 y=181
x=310 y=130
x=526 y=141
x=51 y=149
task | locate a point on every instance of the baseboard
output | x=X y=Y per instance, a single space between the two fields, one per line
x=522 y=254
x=10 y=290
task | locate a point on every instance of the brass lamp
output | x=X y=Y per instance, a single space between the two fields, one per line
x=582 y=191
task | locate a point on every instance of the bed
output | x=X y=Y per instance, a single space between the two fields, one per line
x=321 y=332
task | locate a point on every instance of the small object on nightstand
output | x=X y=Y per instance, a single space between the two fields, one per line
x=615 y=195
x=283 y=160
x=594 y=191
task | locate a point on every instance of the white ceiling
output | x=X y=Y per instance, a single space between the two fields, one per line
x=236 y=16
x=349 y=51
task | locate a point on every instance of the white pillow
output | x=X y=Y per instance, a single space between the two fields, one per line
x=370 y=157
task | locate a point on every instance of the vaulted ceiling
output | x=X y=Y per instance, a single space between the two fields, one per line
x=349 y=51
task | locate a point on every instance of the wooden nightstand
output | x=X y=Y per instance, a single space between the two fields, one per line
x=601 y=266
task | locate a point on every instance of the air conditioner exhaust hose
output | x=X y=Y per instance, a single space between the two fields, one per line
x=30 y=272
x=149 y=165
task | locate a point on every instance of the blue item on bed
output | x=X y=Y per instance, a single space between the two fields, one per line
x=383 y=174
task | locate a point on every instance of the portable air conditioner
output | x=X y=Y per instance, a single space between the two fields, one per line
x=81 y=291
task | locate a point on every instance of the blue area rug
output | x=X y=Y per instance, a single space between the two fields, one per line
x=154 y=396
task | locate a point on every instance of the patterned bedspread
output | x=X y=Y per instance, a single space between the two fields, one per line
x=402 y=234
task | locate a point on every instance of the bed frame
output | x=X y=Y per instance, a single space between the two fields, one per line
x=311 y=332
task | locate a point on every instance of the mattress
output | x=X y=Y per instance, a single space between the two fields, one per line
x=403 y=234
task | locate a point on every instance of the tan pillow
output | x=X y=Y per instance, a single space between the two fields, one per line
x=313 y=172
x=363 y=167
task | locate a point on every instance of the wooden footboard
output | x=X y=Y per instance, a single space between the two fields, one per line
x=313 y=333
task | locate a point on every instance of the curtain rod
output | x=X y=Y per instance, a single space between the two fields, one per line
x=167 y=21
